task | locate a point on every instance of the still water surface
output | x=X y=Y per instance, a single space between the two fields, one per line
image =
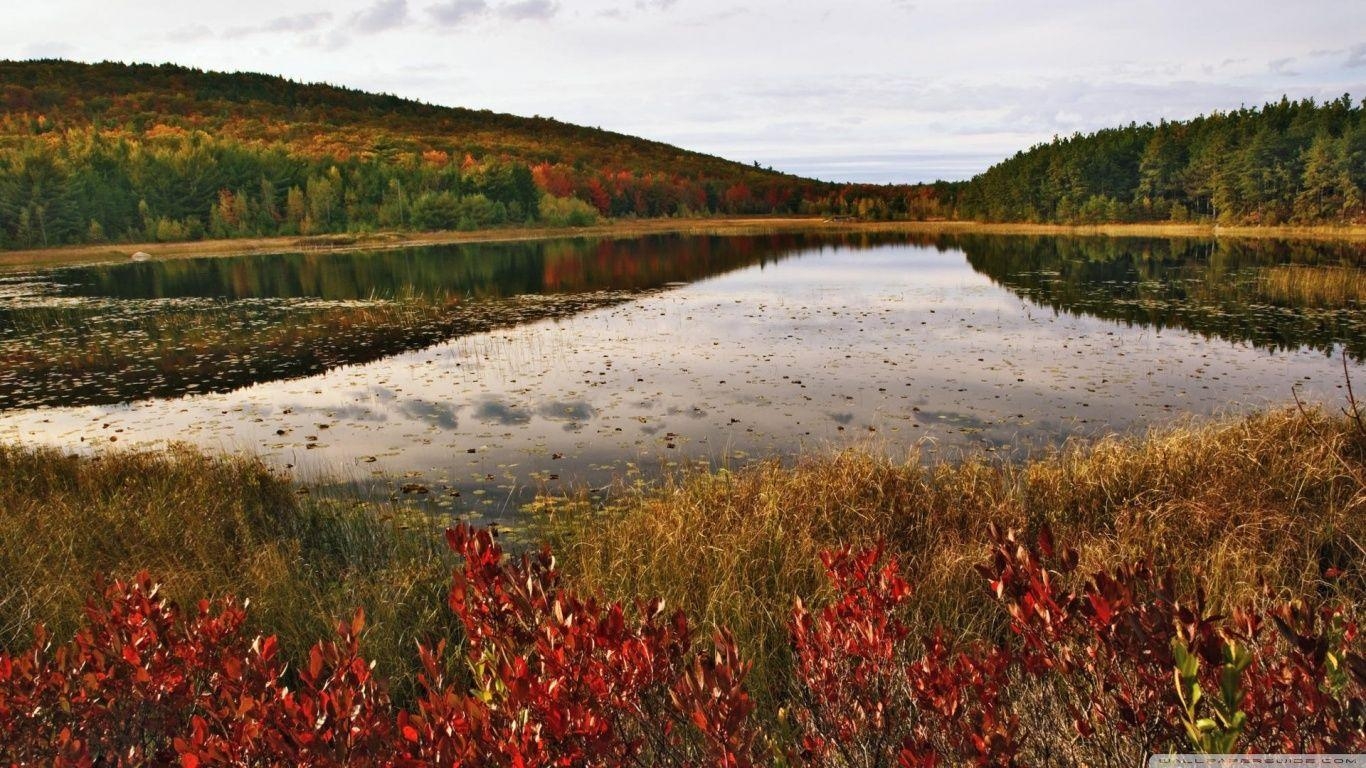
x=477 y=376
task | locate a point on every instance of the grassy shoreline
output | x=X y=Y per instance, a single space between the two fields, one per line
x=1259 y=506
x=110 y=253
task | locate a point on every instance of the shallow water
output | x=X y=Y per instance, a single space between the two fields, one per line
x=501 y=371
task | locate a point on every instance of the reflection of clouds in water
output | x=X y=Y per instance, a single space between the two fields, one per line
x=560 y=410
x=692 y=413
x=958 y=419
x=381 y=392
x=439 y=414
x=842 y=418
x=338 y=412
x=492 y=409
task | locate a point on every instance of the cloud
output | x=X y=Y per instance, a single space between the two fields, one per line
x=1281 y=66
x=300 y=22
x=436 y=414
x=1357 y=56
x=524 y=10
x=457 y=12
x=191 y=33
x=383 y=15
x=656 y=5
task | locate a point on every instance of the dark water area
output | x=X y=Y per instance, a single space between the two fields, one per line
x=474 y=271
x=1267 y=293
x=478 y=376
x=111 y=334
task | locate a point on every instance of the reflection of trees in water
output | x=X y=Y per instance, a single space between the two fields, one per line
x=482 y=270
x=1271 y=294
x=220 y=324
x=95 y=356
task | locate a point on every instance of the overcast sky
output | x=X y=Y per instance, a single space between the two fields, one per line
x=861 y=90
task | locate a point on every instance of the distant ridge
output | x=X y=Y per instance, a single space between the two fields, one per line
x=132 y=152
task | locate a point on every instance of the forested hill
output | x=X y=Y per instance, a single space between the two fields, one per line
x=1288 y=162
x=115 y=152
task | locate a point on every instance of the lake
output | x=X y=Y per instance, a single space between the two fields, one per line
x=473 y=377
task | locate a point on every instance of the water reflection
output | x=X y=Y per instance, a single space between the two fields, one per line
x=1272 y=294
x=771 y=347
x=95 y=335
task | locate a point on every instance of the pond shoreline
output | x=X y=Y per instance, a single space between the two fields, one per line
x=115 y=253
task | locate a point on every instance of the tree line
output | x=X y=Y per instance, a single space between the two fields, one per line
x=132 y=153
x=1285 y=163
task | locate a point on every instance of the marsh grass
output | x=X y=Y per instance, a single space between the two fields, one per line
x=1253 y=508
x=1304 y=286
x=209 y=527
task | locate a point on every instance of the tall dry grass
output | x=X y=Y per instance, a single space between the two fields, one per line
x=1306 y=286
x=1263 y=503
x=208 y=527
x=1257 y=507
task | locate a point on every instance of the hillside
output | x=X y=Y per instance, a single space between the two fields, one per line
x=115 y=152
x=1288 y=162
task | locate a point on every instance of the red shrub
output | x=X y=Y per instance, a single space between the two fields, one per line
x=565 y=681
x=1116 y=643
x=561 y=680
x=865 y=701
x=136 y=674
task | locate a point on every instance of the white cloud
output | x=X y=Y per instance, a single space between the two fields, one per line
x=520 y=10
x=383 y=15
x=1357 y=56
x=457 y=12
x=301 y=22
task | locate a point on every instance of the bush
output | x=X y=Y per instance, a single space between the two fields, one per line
x=436 y=210
x=1120 y=660
x=567 y=211
x=556 y=681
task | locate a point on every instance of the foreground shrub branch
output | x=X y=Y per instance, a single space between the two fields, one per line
x=1130 y=664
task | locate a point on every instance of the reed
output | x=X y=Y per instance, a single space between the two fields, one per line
x=1255 y=508
x=213 y=526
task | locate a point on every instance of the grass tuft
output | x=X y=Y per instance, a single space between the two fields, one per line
x=209 y=527
x=1259 y=506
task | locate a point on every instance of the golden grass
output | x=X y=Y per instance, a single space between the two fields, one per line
x=737 y=225
x=1274 y=497
x=210 y=527
x=1271 y=499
